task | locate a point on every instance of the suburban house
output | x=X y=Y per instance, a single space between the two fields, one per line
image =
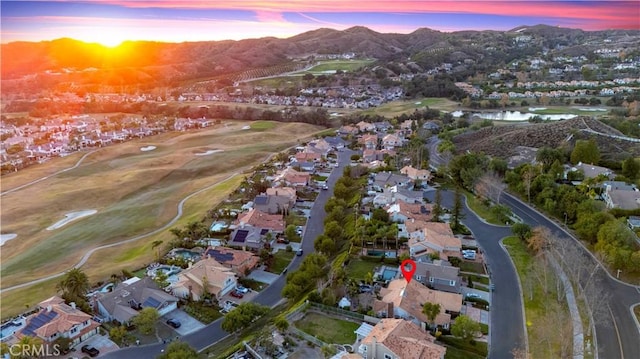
x=439 y=275
x=370 y=142
x=128 y=297
x=307 y=157
x=401 y=211
x=259 y=219
x=205 y=276
x=347 y=130
x=240 y=262
x=399 y=339
x=56 y=319
x=319 y=146
x=633 y=222
x=383 y=180
x=592 y=171
x=391 y=141
x=365 y=126
x=296 y=179
x=416 y=174
x=369 y=156
x=248 y=238
x=383 y=126
x=336 y=143
x=272 y=204
x=621 y=195
x=305 y=166
x=283 y=191
x=435 y=237
x=406 y=127
x=407 y=300
x=393 y=193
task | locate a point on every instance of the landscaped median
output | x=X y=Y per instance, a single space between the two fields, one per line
x=547 y=318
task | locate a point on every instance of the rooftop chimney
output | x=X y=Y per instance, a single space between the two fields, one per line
x=73 y=305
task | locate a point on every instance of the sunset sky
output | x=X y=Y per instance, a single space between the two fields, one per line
x=112 y=21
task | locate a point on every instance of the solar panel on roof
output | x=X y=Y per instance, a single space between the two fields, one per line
x=38 y=321
x=261 y=200
x=151 y=302
x=241 y=235
x=219 y=256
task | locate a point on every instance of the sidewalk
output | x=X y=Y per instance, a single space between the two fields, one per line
x=576 y=321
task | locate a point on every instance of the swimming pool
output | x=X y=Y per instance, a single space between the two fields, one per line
x=9 y=328
x=187 y=254
x=389 y=274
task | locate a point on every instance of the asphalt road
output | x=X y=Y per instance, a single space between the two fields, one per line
x=270 y=296
x=506 y=318
x=617 y=334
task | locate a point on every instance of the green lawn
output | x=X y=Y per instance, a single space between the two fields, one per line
x=251 y=284
x=481 y=210
x=466 y=266
x=636 y=310
x=281 y=260
x=395 y=108
x=327 y=329
x=570 y=110
x=262 y=125
x=203 y=313
x=459 y=348
x=357 y=269
x=479 y=279
x=344 y=65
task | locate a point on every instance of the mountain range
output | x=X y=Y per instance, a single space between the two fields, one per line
x=148 y=62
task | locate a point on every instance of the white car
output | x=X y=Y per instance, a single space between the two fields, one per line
x=242 y=289
x=473 y=295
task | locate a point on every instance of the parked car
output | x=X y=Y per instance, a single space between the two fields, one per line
x=283 y=240
x=241 y=289
x=93 y=352
x=299 y=252
x=473 y=295
x=237 y=294
x=174 y=323
x=366 y=289
x=325 y=187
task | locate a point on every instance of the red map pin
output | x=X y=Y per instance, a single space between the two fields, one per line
x=408 y=273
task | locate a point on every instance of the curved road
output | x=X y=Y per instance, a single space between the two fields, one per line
x=270 y=296
x=46 y=177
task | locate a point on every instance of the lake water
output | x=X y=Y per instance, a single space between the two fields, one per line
x=520 y=116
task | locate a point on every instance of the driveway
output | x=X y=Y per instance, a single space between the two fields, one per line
x=100 y=342
x=188 y=323
x=263 y=276
x=281 y=246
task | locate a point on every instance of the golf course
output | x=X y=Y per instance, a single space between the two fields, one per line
x=122 y=192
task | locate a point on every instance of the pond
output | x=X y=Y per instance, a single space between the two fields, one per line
x=520 y=116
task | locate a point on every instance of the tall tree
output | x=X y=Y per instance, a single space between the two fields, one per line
x=242 y=316
x=431 y=310
x=456 y=213
x=437 y=206
x=631 y=168
x=464 y=327
x=75 y=284
x=146 y=320
x=522 y=231
x=585 y=151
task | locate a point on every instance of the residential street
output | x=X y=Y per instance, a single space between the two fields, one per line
x=270 y=296
x=506 y=318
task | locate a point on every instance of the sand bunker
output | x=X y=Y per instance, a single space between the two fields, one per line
x=147 y=148
x=7 y=237
x=246 y=127
x=71 y=216
x=209 y=152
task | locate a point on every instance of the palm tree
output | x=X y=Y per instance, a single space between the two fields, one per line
x=431 y=310
x=75 y=284
x=154 y=245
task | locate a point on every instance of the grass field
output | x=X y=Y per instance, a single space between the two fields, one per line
x=133 y=192
x=395 y=108
x=572 y=110
x=481 y=210
x=328 y=329
x=324 y=67
x=281 y=260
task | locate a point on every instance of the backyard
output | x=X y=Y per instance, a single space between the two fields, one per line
x=357 y=269
x=329 y=330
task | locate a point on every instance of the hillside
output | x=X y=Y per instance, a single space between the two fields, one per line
x=501 y=141
x=165 y=64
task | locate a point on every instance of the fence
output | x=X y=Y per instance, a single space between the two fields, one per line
x=338 y=311
x=306 y=336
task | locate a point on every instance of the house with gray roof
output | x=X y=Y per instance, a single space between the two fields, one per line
x=439 y=275
x=131 y=296
x=383 y=180
x=272 y=204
